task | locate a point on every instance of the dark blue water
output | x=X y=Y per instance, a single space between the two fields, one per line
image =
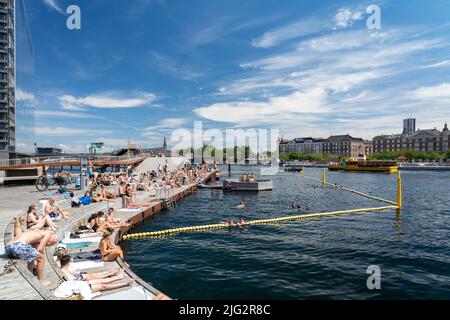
x=324 y=258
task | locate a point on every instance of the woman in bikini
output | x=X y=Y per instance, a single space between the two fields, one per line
x=109 y=251
x=100 y=281
x=34 y=222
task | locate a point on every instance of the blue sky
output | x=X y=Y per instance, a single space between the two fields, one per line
x=143 y=68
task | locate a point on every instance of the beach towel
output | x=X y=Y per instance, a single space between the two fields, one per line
x=88 y=256
x=86 y=239
x=70 y=288
x=83 y=265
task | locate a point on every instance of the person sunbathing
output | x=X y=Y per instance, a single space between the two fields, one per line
x=108 y=250
x=106 y=194
x=34 y=222
x=29 y=246
x=100 y=281
x=113 y=222
x=53 y=211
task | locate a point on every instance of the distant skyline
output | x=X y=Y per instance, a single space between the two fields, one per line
x=140 y=69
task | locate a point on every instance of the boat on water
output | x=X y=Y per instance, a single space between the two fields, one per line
x=247 y=182
x=364 y=165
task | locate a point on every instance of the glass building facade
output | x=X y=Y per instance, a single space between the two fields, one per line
x=25 y=83
x=17 y=76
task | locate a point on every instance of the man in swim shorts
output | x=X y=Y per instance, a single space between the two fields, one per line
x=53 y=211
x=29 y=246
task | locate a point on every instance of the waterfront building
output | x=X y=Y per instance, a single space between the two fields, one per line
x=96 y=148
x=346 y=146
x=7 y=79
x=303 y=145
x=429 y=140
x=25 y=100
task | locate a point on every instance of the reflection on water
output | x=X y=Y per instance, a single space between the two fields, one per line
x=312 y=259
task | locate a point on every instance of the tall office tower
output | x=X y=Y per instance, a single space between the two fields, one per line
x=25 y=83
x=7 y=78
x=409 y=126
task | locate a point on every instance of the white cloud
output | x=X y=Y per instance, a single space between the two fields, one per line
x=53 y=4
x=439 y=92
x=64 y=131
x=272 y=110
x=51 y=114
x=294 y=30
x=444 y=63
x=22 y=95
x=170 y=123
x=345 y=17
x=109 y=100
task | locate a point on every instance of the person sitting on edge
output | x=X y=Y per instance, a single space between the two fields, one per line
x=29 y=246
x=241 y=205
x=53 y=211
x=110 y=216
x=108 y=250
x=34 y=222
x=98 y=226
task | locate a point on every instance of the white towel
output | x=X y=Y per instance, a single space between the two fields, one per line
x=68 y=288
x=83 y=265
x=87 y=239
x=129 y=210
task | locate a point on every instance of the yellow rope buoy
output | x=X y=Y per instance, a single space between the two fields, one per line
x=254 y=222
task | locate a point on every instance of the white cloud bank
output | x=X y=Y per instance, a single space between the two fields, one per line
x=109 y=100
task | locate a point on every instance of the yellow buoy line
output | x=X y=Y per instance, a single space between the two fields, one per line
x=323 y=181
x=393 y=205
x=254 y=222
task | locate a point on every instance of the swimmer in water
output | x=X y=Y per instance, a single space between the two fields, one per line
x=296 y=206
x=241 y=205
x=229 y=223
x=242 y=223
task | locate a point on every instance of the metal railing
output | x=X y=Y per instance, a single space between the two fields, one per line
x=48 y=160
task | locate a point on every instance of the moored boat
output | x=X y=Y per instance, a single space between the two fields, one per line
x=247 y=182
x=364 y=165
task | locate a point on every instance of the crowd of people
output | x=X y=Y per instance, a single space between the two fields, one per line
x=35 y=231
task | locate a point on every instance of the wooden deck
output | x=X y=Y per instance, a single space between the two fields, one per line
x=17 y=283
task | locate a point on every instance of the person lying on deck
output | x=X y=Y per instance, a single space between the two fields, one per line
x=108 y=250
x=29 y=246
x=53 y=211
x=99 y=281
x=34 y=222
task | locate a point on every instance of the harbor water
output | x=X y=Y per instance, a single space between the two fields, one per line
x=324 y=258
